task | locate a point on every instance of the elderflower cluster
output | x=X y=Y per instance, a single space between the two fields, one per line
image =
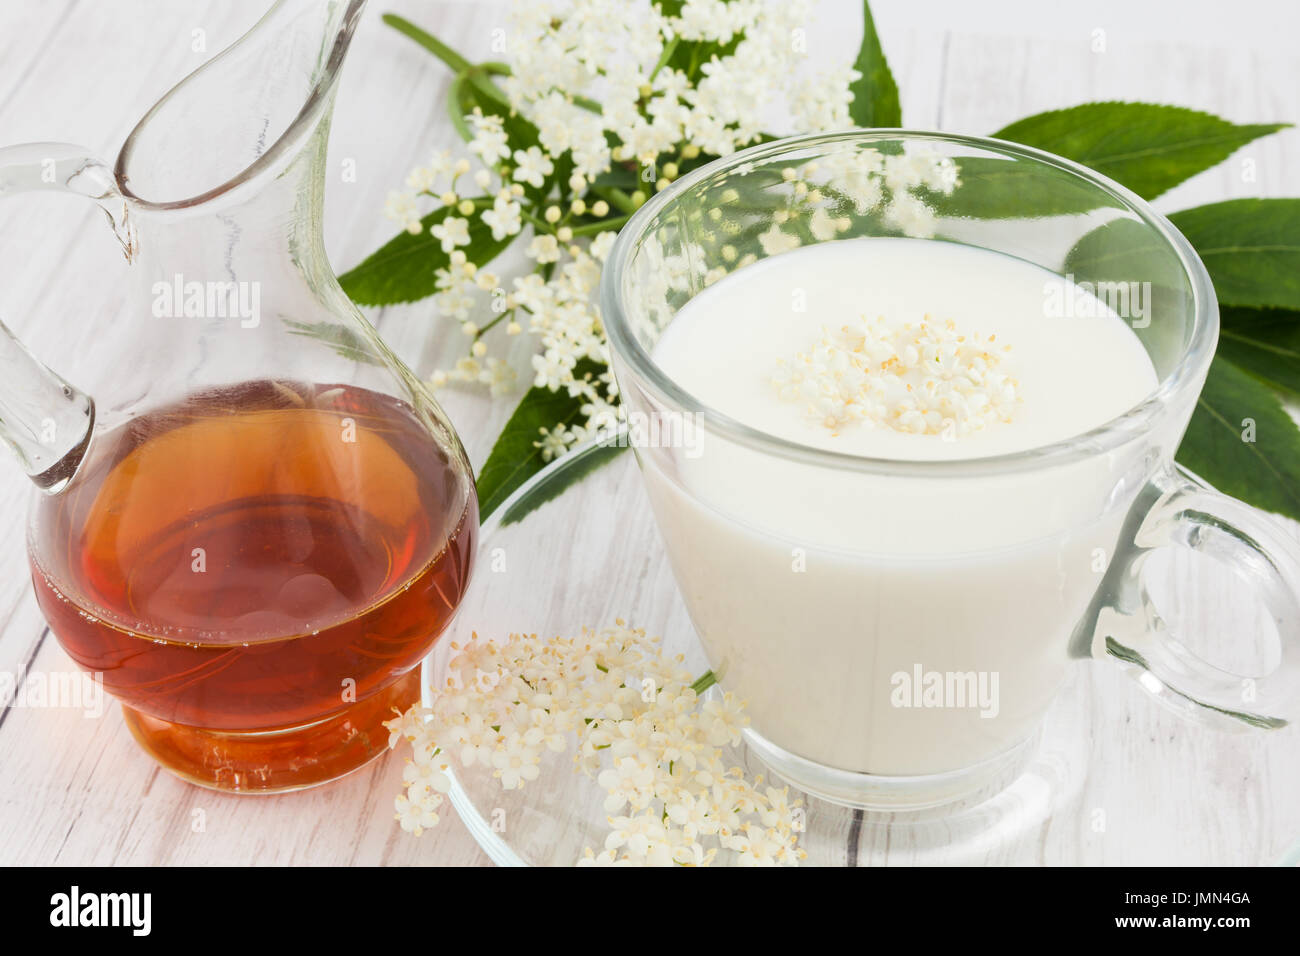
x=923 y=379
x=621 y=57
x=897 y=186
x=638 y=728
x=610 y=89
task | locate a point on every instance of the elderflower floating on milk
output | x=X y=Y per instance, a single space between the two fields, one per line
x=958 y=343
x=926 y=378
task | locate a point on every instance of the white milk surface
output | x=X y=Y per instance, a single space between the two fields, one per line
x=1075 y=373
x=814 y=589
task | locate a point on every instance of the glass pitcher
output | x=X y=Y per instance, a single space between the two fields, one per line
x=261 y=521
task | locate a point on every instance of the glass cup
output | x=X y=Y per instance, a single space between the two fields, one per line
x=804 y=611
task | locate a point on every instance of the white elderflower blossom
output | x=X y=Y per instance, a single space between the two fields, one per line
x=504 y=217
x=602 y=245
x=453 y=298
x=599 y=109
x=532 y=166
x=922 y=378
x=417 y=816
x=822 y=102
x=671 y=797
x=910 y=215
x=452 y=232
x=822 y=226
x=425 y=178
x=776 y=240
x=555 y=442
x=490 y=143
x=856 y=172
x=543 y=249
x=554 y=367
x=603 y=415
x=402 y=209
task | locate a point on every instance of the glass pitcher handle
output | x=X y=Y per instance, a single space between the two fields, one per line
x=43 y=419
x=1127 y=627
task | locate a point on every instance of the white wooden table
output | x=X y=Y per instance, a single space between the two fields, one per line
x=78 y=791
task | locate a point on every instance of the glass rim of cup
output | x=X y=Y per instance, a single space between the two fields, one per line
x=1189 y=371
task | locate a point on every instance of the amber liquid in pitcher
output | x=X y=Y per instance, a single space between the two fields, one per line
x=256 y=572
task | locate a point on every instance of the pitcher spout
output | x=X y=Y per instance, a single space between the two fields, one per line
x=248 y=125
x=246 y=113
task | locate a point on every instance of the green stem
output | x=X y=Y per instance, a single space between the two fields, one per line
x=454 y=109
x=669 y=49
x=616 y=198
x=479 y=77
x=539 y=224
x=454 y=60
x=497 y=321
x=503 y=69
x=595 y=228
x=704 y=682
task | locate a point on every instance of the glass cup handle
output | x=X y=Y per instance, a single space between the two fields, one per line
x=44 y=420
x=1128 y=629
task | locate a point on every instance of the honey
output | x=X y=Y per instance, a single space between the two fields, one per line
x=256 y=572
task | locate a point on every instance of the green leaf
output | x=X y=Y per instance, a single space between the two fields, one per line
x=454 y=60
x=1146 y=146
x=474 y=88
x=997 y=188
x=875 y=94
x=514 y=459
x=458 y=108
x=577 y=465
x=1120 y=249
x=1125 y=252
x=1251 y=248
x=690 y=55
x=1264 y=472
x=346 y=341
x=1264 y=342
x=619 y=177
x=402 y=270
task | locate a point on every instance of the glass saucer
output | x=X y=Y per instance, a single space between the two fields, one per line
x=1114 y=779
